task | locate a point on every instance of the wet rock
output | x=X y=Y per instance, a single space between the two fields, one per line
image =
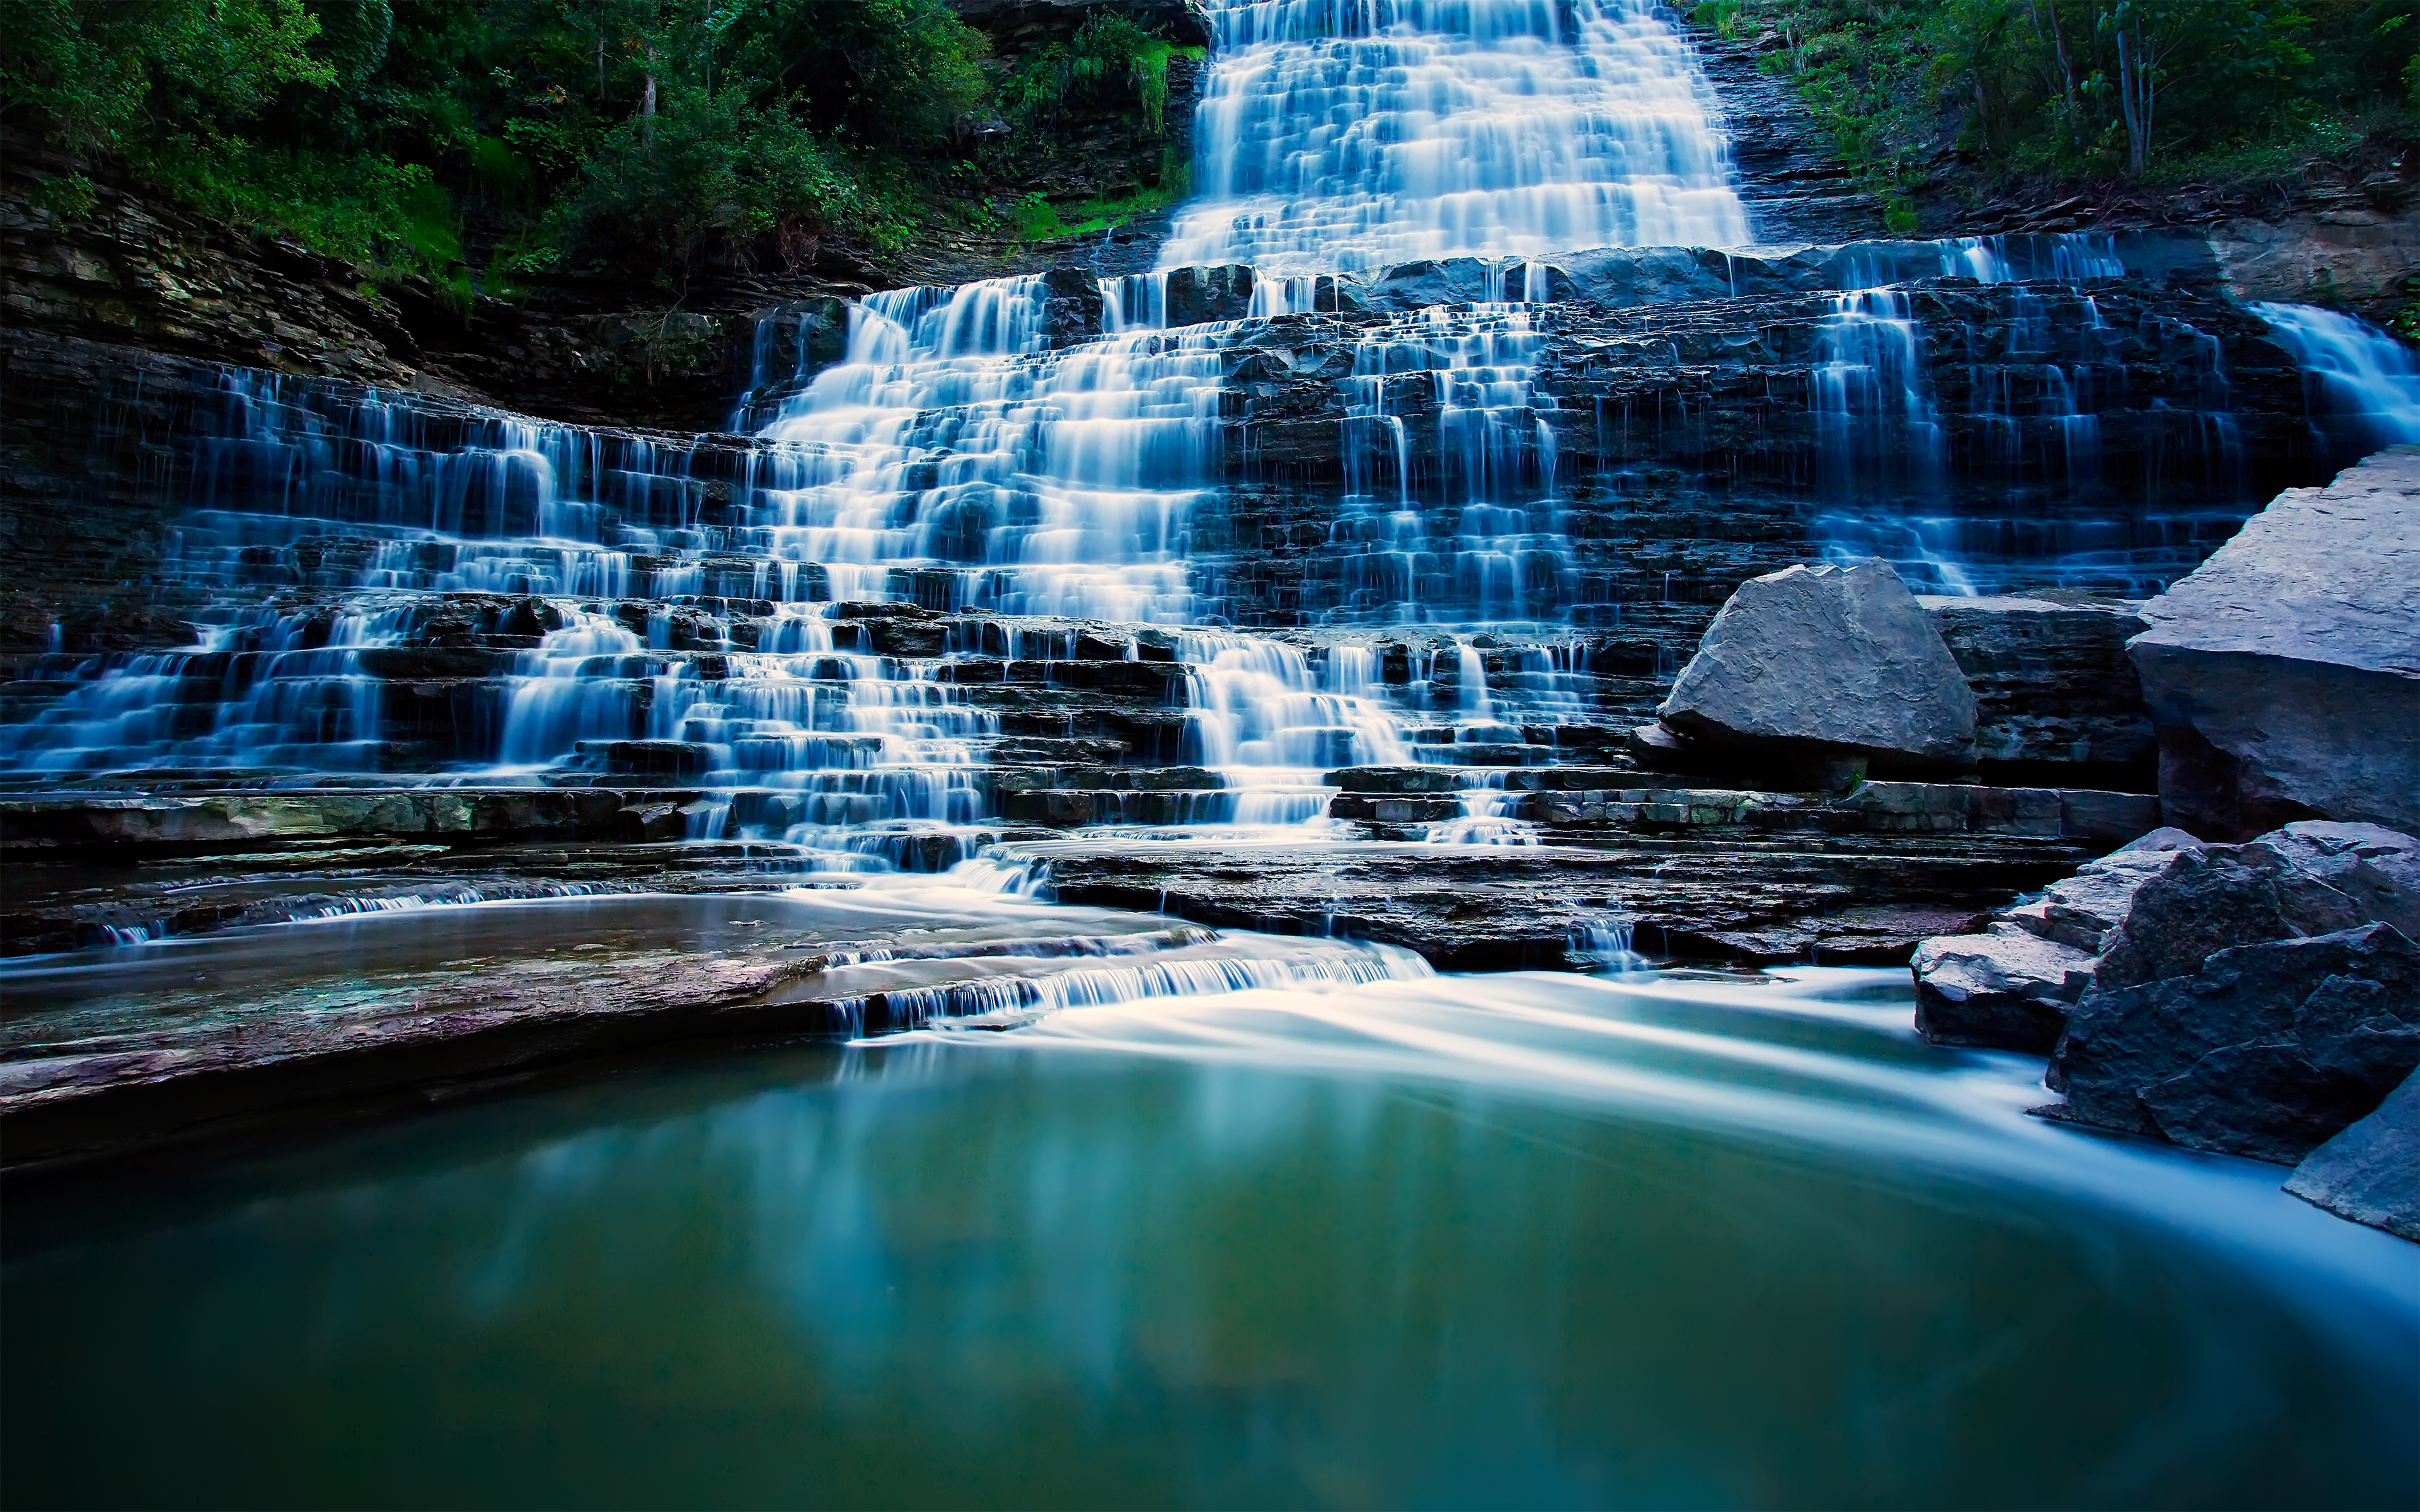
x=669 y=759
x=1074 y=306
x=2284 y=673
x=1395 y=779
x=1488 y=907
x=2371 y=1173
x=1197 y=296
x=2265 y=1051
x=2008 y=990
x=1840 y=657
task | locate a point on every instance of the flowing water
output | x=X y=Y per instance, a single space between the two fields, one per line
x=1460 y=1241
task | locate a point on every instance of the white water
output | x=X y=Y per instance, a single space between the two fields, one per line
x=2360 y=378
x=1335 y=136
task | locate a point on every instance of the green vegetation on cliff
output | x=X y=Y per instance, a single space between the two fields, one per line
x=2151 y=91
x=560 y=135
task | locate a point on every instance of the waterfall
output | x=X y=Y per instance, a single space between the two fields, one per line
x=2363 y=380
x=1335 y=136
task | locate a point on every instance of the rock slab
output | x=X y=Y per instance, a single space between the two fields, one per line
x=2371 y=1173
x=1842 y=657
x=2283 y=673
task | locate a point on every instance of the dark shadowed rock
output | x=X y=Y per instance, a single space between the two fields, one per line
x=2267 y=1101
x=2005 y=990
x=2326 y=1015
x=2284 y=673
x=2371 y=1173
x=2055 y=692
x=1197 y=296
x=2192 y=908
x=1074 y=306
x=1835 y=657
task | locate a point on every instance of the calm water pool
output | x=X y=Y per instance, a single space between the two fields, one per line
x=1520 y=1240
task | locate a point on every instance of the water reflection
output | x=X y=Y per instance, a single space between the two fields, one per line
x=1465 y=1242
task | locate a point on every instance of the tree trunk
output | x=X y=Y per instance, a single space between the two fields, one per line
x=2130 y=63
x=648 y=101
x=2067 y=76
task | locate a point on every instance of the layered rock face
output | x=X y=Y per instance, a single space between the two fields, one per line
x=2285 y=672
x=1035 y=558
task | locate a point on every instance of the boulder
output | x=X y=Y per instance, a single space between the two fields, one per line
x=2087 y=910
x=2376 y=868
x=2007 y=989
x=2283 y=673
x=2266 y=1051
x=1838 y=658
x=2371 y=1173
x=2194 y=907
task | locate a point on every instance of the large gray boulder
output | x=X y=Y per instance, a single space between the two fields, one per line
x=2283 y=673
x=1838 y=657
x=2371 y=1173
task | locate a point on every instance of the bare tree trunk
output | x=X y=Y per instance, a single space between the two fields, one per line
x=2065 y=75
x=2130 y=63
x=648 y=101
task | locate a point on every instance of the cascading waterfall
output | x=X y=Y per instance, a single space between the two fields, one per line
x=2364 y=380
x=530 y=602
x=1336 y=135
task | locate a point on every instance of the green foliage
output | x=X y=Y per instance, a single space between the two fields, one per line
x=2160 y=88
x=533 y=137
x=705 y=167
x=100 y=69
x=1109 y=58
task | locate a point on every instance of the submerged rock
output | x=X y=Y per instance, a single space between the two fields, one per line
x=2371 y=1173
x=2284 y=673
x=1840 y=657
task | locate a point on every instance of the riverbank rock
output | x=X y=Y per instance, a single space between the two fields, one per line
x=2012 y=987
x=2268 y=1050
x=2007 y=989
x=2371 y=1173
x=1834 y=657
x=2283 y=673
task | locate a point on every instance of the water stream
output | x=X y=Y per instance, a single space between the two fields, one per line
x=1509 y=1240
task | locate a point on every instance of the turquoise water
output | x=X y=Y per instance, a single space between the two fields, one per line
x=1519 y=1241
